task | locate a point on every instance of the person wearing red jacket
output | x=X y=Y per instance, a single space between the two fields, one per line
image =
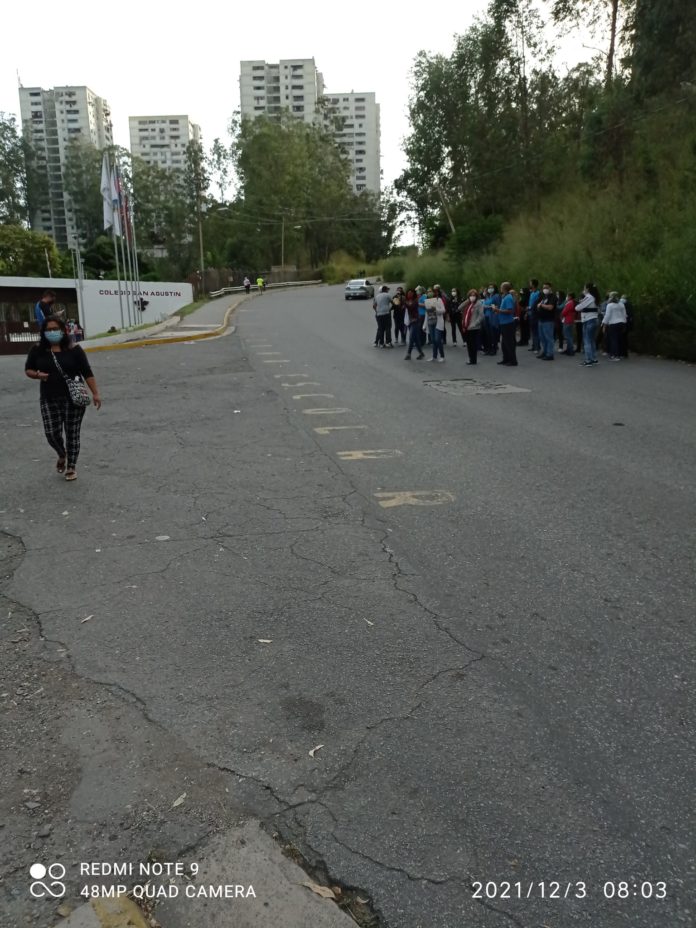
x=568 y=323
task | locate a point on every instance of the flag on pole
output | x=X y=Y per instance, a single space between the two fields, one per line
x=115 y=203
x=106 y=193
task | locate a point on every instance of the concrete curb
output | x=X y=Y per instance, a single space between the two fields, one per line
x=192 y=336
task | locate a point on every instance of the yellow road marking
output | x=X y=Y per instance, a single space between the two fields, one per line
x=325 y=429
x=304 y=396
x=414 y=498
x=302 y=383
x=306 y=374
x=269 y=352
x=278 y=361
x=369 y=455
x=325 y=412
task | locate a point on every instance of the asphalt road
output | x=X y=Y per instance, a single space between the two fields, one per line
x=498 y=668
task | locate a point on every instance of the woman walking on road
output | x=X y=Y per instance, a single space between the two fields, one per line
x=54 y=362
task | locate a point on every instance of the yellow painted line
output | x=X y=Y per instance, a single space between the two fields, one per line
x=373 y=454
x=414 y=498
x=279 y=361
x=119 y=912
x=306 y=374
x=304 y=396
x=176 y=339
x=325 y=429
x=302 y=383
x=262 y=353
x=325 y=412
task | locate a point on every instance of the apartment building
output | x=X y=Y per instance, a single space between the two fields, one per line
x=358 y=136
x=162 y=140
x=51 y=119
x=294 y=84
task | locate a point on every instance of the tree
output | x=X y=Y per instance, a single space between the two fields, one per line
x=220 y=167
x=13 y=173
x=82 y=182
x=25 y=254
x=663 y=37
x=602 y=17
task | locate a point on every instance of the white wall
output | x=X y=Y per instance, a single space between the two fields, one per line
x=101 y=304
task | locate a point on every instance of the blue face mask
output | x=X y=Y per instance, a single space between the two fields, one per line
x=54 y=336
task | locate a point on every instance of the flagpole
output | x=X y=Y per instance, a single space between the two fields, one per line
x=125 y=231
x=109 y=221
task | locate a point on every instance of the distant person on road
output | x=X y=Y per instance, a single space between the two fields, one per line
x=399 y=311
x=44 y=307
x=614 y=324
x=455 y=315
x=415 y=327
x=382 y=308
x=588 y=307
x=628 y=306
x=524 y=316
x=435 y=314
x=491 y=329
x=54 y=361
x=472 y=321
x=247 y=285
x=534 y=297
x=546 y=313
x=507 y=320
x=261 y=284
x=568 y=323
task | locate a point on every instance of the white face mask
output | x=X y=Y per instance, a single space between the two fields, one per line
x=473 y=298
x=546 y=291
x=491 y=290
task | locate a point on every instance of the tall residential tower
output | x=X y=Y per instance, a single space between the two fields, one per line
x=162 y=140
x=51 y=119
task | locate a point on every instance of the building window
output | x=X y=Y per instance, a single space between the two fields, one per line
x=258 y=67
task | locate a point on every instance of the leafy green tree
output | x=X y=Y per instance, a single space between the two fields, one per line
x=663 y=36
x=82 y=182
x=24 y=253
x=601 y=17
x=13 y=173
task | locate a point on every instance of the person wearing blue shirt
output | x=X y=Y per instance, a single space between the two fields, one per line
x=507 y=317
x=534 y=297
x=491 y=329
x=44 y=307
x=422 y=297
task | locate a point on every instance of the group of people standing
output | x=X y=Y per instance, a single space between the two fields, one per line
x=489 y=319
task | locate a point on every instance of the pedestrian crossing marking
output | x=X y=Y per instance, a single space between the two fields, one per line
x=372 y=454
x=414 y=498
x=325 y=429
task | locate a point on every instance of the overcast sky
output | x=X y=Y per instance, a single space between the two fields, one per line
x=153 y=58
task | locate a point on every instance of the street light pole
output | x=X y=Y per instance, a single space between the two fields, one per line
x=282 y=245
x=200 y=245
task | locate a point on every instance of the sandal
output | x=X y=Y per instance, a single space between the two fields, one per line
x=71 y=475
x=60 y=465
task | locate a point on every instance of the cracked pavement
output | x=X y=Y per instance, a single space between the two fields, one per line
x=500 y=684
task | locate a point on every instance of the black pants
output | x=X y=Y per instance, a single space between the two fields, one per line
x=507 y=337
x=456 y=326
x=62 y=421
x=615 y=337
x=524 y=329
x=384 y=329
x=472 y=343
x=399 y=326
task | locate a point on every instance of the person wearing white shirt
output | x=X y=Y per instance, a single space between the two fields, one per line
x=589 y=313
x=614 y=324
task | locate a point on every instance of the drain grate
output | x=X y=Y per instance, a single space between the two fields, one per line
x=467 y=386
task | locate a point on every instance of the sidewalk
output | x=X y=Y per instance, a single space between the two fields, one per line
x=210 y=319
